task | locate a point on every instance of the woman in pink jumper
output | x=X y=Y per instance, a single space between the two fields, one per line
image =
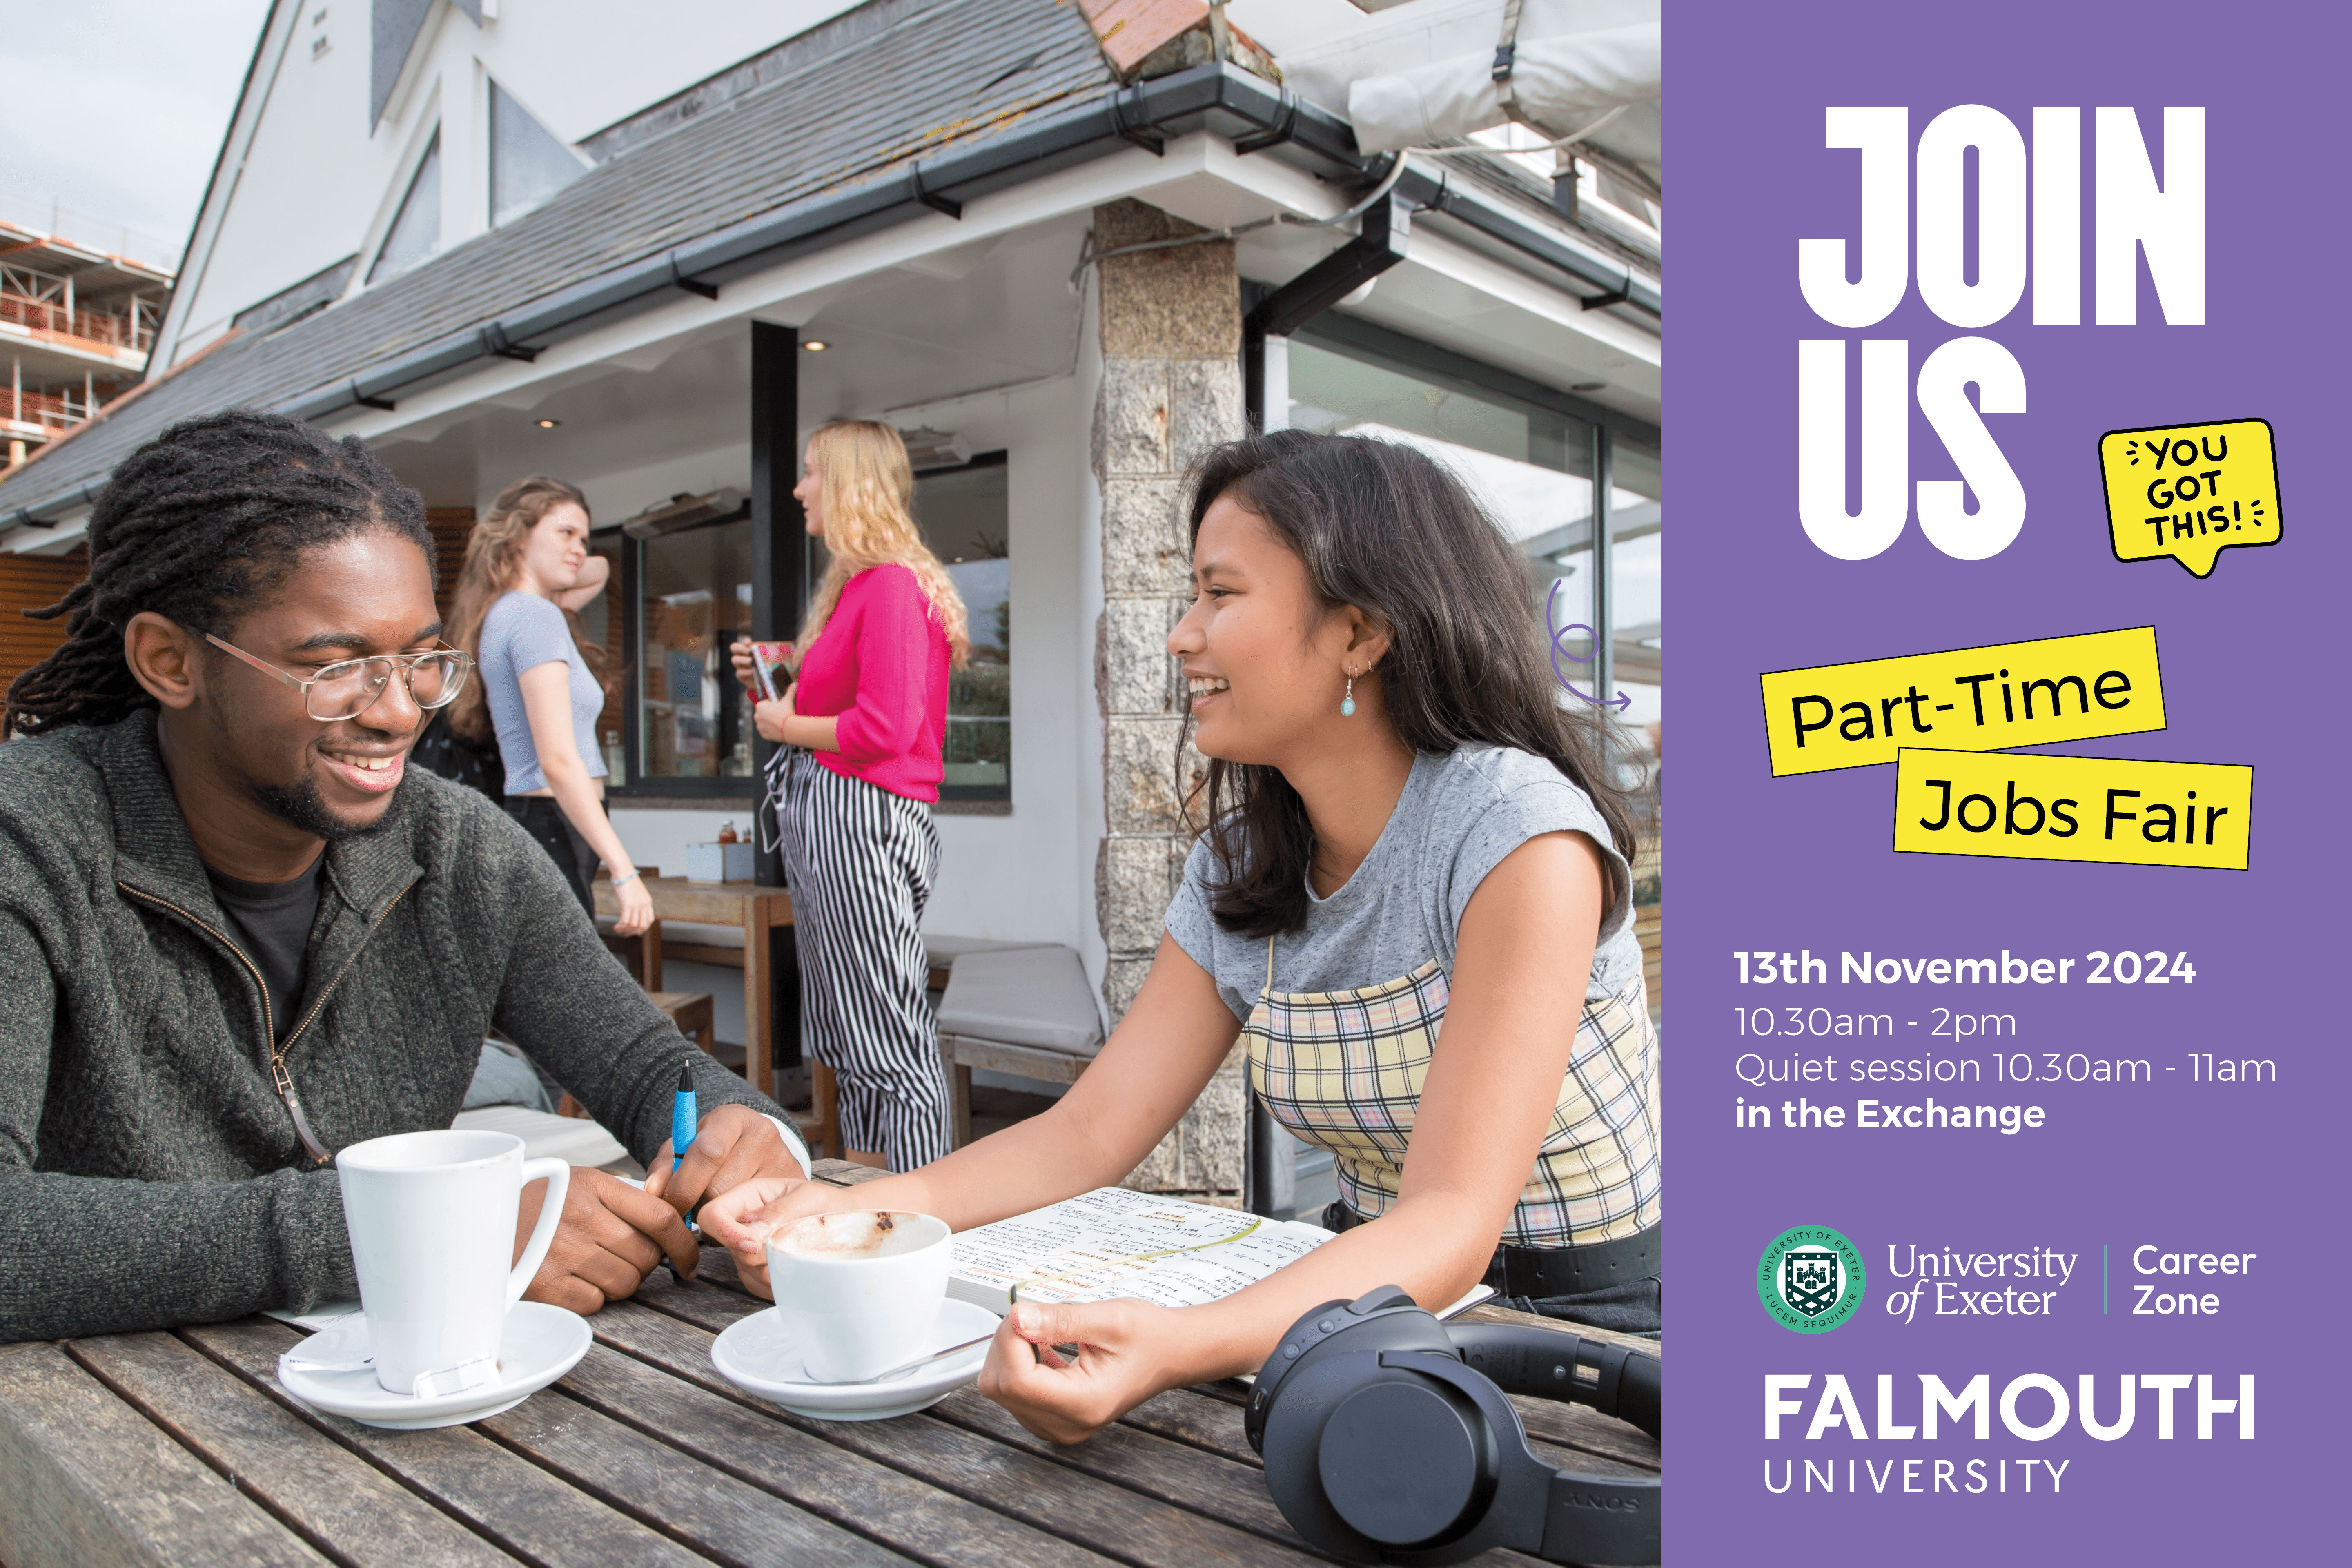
x=863 y=726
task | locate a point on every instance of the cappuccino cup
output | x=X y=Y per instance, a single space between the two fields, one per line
x=859 y=1290
x=432 y=1223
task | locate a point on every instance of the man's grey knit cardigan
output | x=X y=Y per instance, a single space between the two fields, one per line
x=150 y=1175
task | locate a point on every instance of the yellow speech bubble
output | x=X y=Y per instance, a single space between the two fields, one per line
x=2120 y=810
x=2190 y=491
x=1970 y=698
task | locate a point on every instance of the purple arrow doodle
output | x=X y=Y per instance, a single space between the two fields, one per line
x=1559 y=652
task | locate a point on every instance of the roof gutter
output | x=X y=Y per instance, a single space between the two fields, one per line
x=1259 y=115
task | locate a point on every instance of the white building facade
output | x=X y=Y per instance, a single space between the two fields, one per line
x=649 y=251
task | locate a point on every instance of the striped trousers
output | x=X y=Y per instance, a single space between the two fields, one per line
x=861 y=863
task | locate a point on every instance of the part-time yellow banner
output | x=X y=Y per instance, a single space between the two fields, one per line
x=1970 y=699
x=2036 y=807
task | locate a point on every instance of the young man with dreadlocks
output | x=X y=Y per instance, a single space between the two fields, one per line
x=236 y=934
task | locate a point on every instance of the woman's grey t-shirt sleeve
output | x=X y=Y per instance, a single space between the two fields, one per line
x=531 y=631
x=1524 y=811
x=1195 y=929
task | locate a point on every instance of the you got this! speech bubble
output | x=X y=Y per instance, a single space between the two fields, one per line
x=2190 y=491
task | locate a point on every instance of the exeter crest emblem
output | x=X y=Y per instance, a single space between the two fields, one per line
x=1809 y=1279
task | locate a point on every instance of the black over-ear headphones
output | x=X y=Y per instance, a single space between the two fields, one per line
x=1387 y=1438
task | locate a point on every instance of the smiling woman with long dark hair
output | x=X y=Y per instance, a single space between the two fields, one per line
x=1409 y=898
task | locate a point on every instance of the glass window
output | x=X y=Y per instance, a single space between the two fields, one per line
x=963 y=514
x=417 y=231
x=1331 y=391
x=695 y=600
x=527 y=164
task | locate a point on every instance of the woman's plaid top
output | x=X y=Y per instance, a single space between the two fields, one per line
x=1343 y=1070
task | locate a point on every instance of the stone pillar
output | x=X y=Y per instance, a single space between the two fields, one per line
x=1171 y=343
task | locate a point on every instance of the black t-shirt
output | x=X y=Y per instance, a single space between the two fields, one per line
x=271 y=921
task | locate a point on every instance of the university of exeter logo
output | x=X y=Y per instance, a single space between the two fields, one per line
x=1810 y=1280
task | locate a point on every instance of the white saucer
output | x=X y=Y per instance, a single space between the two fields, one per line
x=541 y=1344
x=757 y=1354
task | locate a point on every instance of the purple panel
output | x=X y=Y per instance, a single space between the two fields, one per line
x=2251 y=661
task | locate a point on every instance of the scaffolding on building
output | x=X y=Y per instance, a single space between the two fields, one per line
x=77 y=324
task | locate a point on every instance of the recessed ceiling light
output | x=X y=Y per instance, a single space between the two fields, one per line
x=1587 y=386
x=815 y=345
x=548 y=424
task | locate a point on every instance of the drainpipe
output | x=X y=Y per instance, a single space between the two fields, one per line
x=1380 y=245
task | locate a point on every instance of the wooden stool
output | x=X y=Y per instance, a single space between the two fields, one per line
x=690 y=1011
x=961 y=1054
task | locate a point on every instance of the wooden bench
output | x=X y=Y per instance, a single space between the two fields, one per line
x=1027 y=1011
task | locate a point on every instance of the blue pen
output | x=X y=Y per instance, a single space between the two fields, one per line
x=681 y=1115
x=681 y=1132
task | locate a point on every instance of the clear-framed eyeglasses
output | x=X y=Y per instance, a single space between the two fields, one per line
x=349 y=688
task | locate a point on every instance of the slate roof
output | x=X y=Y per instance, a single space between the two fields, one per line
x=853 y=99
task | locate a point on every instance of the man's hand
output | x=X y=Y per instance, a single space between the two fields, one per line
x=741 y=1218
x=1124 y=1358
x=611 y=1236
x=732 y=1145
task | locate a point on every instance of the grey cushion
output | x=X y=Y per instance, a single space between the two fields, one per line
x=942 y=952
x=1023 y=996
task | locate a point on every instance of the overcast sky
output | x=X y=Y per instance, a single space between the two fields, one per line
x=115 y=110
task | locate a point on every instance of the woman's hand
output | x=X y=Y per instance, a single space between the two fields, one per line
x=741 y=654
x=768 y=717
x=1128 y=1352
x=741 y=1218
x=636 y=908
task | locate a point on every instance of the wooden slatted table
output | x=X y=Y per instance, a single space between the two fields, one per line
x=180 y=1449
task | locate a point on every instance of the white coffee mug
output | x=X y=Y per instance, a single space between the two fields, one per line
x=432 y=1222
x=859 y=1290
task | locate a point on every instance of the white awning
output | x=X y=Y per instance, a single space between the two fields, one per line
x=1423 y=72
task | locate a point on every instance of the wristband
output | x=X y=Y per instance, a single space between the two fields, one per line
x=620 y=882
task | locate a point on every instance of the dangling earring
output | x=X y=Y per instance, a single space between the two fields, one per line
x=1348 y=703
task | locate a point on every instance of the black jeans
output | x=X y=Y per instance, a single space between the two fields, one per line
x=545 y=822
x=1629 y=1308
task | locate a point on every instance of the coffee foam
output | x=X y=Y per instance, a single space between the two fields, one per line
x=854 y=1234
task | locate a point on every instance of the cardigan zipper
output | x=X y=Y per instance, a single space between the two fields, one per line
x=281 y=1078
x=269 y=1024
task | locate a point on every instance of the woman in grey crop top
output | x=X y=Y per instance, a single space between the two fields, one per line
x=527 y=563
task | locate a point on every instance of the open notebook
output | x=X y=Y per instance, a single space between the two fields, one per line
x=1113 y=1242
